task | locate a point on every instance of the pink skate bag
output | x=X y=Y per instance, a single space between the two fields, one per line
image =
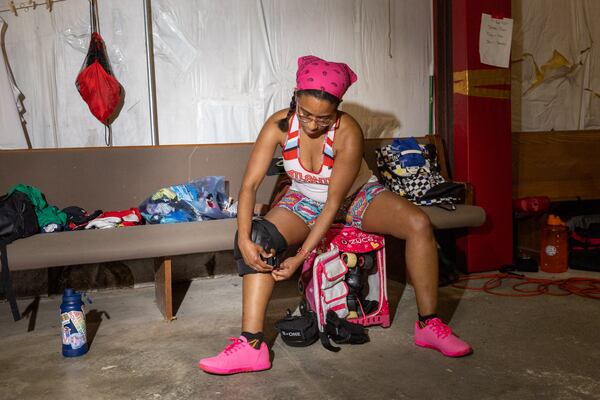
x=347 y=274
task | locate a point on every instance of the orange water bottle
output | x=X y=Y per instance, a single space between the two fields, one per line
x=554 y=246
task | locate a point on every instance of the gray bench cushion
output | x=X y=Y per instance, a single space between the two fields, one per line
x=465 y=216
x=145 y=241
x=150 y=241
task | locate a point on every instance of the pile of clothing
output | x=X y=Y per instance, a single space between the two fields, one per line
x=198 y=200
x=80 y=219
x=51 y=219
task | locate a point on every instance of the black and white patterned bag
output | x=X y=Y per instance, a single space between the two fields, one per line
x=418 y=179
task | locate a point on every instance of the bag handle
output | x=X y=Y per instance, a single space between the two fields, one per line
x=326 y=343
x=94 y=16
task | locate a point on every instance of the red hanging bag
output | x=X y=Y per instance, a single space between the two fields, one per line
x=96 y=82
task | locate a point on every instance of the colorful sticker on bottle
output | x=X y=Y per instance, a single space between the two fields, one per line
x=551 y=250
x=73 y=329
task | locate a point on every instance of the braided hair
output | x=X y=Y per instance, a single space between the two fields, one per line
x=284 y=123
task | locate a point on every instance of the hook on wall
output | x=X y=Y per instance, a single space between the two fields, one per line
x=26 y=5
x=13 y=8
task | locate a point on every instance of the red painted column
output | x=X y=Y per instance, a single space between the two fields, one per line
x=482 y=135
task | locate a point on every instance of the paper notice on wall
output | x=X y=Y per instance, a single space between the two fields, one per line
x=494 y=40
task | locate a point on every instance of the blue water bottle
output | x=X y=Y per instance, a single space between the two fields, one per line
x=72 y=318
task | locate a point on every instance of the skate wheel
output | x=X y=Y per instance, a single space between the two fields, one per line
x=349 y=259
x=366 y=261
x=352 y=315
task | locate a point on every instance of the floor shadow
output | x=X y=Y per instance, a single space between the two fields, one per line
x=449 y=299
x=451 y=264
x=210 y=265
x=90 y=276
x=179 y=290
x=395 y=272
x=93 y=319
x=31 y=313
x=395 y=289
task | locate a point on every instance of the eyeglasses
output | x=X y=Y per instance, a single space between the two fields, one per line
x=322 y=122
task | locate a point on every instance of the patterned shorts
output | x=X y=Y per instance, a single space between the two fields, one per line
x=350 y=213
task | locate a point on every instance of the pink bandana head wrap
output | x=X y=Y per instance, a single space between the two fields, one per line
x=331 y=77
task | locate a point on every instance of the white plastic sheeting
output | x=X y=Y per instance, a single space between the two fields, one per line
x=221 y=67
x=46 y=51
x=13 y=135
x=555 y=65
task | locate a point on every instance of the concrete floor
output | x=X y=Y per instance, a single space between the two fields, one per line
x=540 y=347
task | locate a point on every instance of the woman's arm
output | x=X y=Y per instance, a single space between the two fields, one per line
x=260 y=158
x=348 y=159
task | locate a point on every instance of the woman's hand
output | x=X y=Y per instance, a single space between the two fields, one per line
x=252 y=252
x=287 y=268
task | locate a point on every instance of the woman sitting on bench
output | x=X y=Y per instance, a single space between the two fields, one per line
x=323 y=156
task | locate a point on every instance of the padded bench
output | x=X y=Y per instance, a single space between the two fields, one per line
x=122 y=177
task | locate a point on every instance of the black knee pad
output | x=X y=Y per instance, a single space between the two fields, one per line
x=265 y=234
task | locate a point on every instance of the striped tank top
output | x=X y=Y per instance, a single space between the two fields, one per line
x=314 y=184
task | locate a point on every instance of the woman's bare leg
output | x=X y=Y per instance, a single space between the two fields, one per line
x=393 y=215
x=257 y=288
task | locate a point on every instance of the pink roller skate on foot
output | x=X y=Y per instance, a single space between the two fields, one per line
x=438 y=336
x=238 y=356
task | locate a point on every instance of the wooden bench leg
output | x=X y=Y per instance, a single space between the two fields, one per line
x=163 y=289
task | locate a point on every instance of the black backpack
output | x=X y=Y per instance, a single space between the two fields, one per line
x=299 y=331
x=17 y=220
